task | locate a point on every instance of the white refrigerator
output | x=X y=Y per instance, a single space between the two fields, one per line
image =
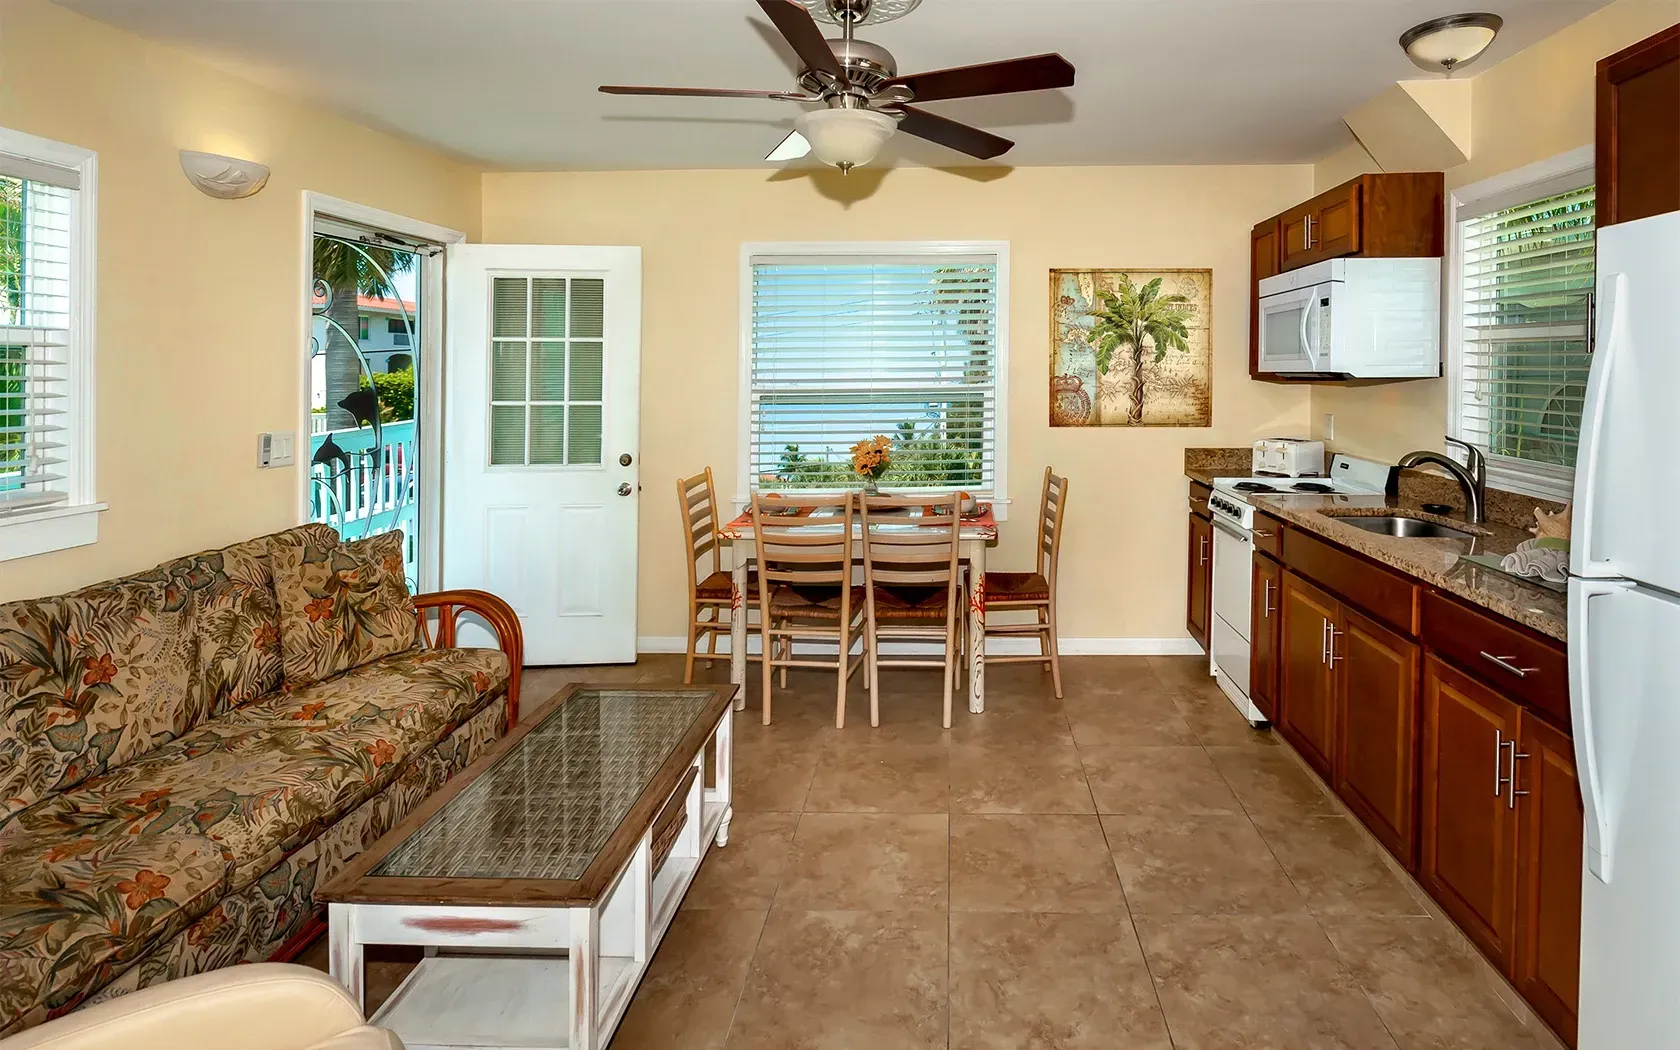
x=1624 y=644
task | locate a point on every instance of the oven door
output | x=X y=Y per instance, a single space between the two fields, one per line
x=1233 y=580
x=1291 y=330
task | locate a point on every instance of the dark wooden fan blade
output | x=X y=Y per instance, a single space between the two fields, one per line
x=780 y=96
x=991 y=78
x=946 y=132
x=796 y=24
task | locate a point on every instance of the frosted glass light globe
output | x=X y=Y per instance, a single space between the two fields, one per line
x=846 y=138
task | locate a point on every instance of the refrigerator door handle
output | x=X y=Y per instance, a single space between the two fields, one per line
x=1612 y=321
x=1600 y=833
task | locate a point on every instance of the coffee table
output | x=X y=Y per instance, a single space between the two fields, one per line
x=540 y=880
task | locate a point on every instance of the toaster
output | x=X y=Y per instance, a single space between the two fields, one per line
x=1289 y=457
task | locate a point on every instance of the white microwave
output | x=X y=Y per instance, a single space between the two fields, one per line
x=1353 y=318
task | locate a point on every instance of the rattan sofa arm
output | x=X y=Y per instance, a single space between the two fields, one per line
x=510 y=638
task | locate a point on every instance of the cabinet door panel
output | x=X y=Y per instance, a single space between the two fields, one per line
x=1639 y=130
x=1336 y=223
x=1199 y=606
x=1467 y=848
x=1306 y=694
x=1263 y=630
x=1376 y=730
x=1547 y=967
x=1265 y=260
x=1292 y=233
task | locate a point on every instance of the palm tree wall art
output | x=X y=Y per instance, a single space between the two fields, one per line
x=1131 y=348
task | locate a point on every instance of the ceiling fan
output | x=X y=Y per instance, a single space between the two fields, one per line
x=863 y=97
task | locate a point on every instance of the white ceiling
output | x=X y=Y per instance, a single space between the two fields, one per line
x=511 y=83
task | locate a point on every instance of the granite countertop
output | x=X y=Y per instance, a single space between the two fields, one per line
x=1436 y=561
x=1205 y=464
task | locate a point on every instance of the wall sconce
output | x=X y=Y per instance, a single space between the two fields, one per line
x=227 y=178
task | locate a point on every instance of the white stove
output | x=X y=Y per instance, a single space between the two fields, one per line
x=1233 y=559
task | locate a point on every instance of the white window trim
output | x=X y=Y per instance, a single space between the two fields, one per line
x=1558 y=174
x=999 y=496
x=431 y=289
x=74 y=523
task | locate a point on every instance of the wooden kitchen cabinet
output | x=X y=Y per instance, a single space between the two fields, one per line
x=1263 y=629
x=1199 y=608
x=1326 y=227
x=1306 y=684
x=1638 y=130
x=1547 y=964
x=1467 y=855
x=1376 y=729
x=1265 y=259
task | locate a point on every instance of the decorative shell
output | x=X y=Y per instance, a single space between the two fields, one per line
x=1553 y=525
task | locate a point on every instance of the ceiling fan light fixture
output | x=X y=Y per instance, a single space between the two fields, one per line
x=846 y=138
x=1443 y=45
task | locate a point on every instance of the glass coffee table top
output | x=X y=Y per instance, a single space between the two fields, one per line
x=547 y=806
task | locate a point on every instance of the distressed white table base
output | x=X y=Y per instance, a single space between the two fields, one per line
x=530 y=977
x=973 y=554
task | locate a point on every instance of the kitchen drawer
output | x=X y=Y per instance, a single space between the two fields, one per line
x=1199 y=494
x=1268 y=534
x=1376 y=591
x=1528 y=667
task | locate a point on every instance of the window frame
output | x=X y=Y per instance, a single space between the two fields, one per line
x=998 y=495
x=1567 y=171
x=74 y=522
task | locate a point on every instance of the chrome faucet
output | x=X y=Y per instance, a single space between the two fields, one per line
x=1473 y=480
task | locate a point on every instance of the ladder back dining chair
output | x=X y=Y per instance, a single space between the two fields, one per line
x=913 y=588
x=710 y=590
x=1035 y=591
x=804 y=547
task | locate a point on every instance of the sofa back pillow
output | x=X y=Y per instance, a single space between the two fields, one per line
x=341 y=605
x=92 y=679
x=238 y=615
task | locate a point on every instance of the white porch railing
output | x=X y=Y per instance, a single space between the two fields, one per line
x=361 y=499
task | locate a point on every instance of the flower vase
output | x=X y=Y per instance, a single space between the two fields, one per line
x=871 y=487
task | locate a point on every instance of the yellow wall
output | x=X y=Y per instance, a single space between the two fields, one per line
x=200 y=328
x=1125 y=531
x=1534 y=105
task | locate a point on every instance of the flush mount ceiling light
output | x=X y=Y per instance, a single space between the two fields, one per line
x=1443 y=45
x=845 y=138
x=227 y=178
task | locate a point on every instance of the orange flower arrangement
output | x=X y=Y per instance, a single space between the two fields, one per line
x=870 y=459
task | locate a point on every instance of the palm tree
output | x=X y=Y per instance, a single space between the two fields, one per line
x=11 y=247
x=350 y=270
x=1133 y=315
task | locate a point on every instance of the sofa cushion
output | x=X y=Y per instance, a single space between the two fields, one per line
x=90 y=680
x=341 y=605
x=238 y=615
x=264 y=779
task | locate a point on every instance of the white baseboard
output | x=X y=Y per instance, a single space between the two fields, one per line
x=1001 y=646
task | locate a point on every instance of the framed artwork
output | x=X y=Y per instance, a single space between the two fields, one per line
x=1131 y=348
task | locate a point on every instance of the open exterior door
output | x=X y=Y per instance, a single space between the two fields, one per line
x=540 y=494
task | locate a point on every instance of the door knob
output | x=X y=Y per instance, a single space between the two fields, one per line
x=624 y=489
x=624 y=460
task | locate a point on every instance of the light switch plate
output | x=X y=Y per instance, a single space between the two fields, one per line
x=274 y=448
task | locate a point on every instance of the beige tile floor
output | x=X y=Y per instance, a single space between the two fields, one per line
x=1131 y=866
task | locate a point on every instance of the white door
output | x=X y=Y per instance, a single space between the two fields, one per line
x=1624 y=664
x=542 y=361
x=1625 y=497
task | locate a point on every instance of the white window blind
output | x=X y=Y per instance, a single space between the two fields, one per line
x=847 y=347
x=37 y=212
x=1526 y=298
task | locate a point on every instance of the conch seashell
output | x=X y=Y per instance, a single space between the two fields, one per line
x=1553 y=525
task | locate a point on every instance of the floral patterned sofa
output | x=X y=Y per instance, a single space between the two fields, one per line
x=173 y=784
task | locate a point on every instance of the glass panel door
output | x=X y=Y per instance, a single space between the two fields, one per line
x=366 y=349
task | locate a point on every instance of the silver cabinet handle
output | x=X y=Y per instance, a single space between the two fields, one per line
x=1266 y=608
x=1264 y=534
x=1201 y=548
x=1511 y=791
x=1324 y=642
x=1498 y=757
x=1334 y=634
x=1306 y=231
x=1505 y=663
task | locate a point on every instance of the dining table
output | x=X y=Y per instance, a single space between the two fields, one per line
x=974 y=534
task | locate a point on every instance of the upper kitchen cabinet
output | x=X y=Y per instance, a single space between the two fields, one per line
x=1639 y=130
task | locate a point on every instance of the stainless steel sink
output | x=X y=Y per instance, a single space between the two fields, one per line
x=1407 y=528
